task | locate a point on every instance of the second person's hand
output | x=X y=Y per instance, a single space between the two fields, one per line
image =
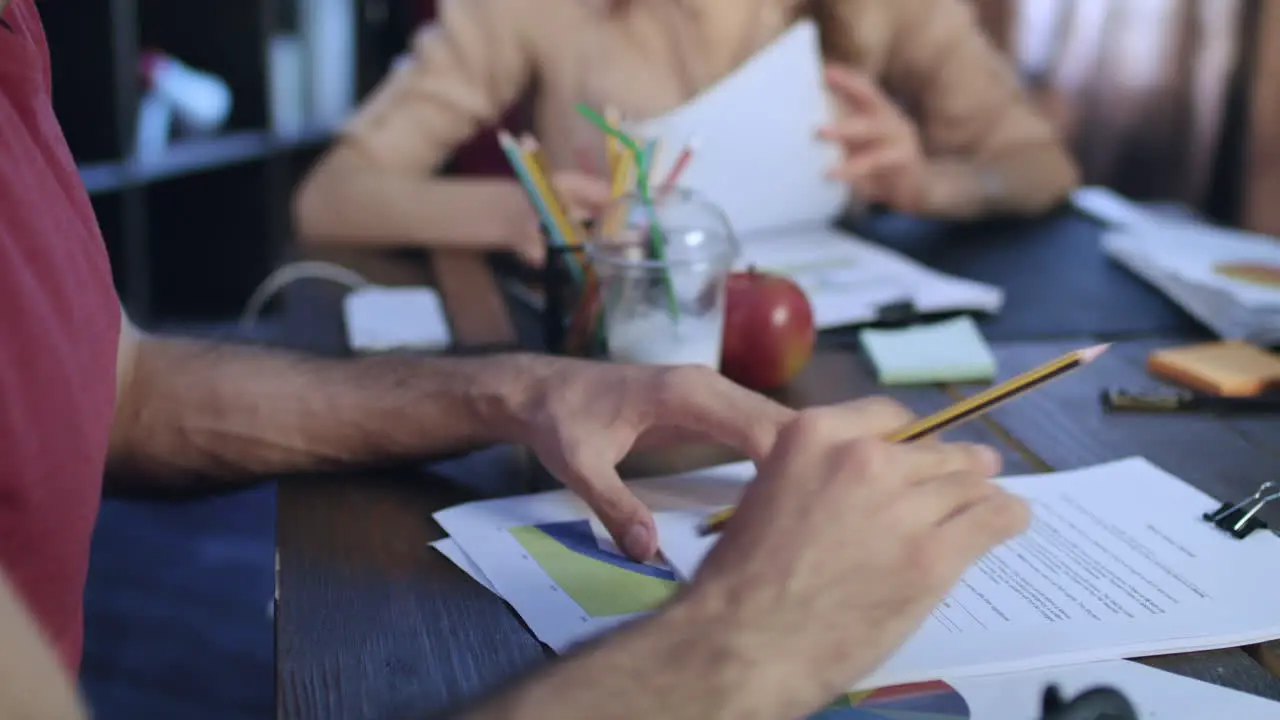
x=843 y=545
x=883 y=160
x=586 y=195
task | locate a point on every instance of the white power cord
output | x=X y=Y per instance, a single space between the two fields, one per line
x=292 y=272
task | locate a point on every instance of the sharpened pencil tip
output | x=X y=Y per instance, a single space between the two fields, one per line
x=1090 y=354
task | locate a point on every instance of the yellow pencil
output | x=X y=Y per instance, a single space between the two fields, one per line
x=540 y=176
x=543 y=168
x=964 y=410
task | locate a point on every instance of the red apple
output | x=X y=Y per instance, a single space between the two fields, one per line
x=768 y=330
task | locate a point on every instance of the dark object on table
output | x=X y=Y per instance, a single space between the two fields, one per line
x=1096 y=704
x=1120 y=400
x=1241 y=518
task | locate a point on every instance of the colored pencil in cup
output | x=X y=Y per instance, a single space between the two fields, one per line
x=524 y=172
x=677 y=168
x=542 y=169
x=964 y=410
x=542 y=195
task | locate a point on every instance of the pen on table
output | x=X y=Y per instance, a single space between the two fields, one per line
x=1184 y=401
x=966 y=409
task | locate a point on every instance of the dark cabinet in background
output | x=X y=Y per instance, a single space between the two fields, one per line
x=193 y=230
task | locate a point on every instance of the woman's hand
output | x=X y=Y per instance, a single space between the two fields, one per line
x=586 y=195
x=883 y=159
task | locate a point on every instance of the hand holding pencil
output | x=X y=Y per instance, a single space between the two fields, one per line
x=847 y=543
x=964 y=410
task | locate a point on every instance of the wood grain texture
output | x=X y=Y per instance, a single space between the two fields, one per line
x=1268 y=655
x=370 y=621
x=1260 y=430
x=373 y=623
x=1232 y=668
x=473 y=302
x=1063 y=423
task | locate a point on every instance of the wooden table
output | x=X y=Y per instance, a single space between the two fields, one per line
x=372 y=623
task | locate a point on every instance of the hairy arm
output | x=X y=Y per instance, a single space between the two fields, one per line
x=33 y=684
x=193 y=410
x=694 y=659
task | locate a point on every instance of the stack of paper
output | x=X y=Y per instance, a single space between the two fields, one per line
x=761 y=163
x=1227 y=279
x=850 y=281
x=1117 y=564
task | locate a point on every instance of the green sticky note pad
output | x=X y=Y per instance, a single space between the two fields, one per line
x=948 y=351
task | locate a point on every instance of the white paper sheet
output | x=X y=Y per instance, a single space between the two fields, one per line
x=524 y=577
x=1117 y=564
x=758 y=157
x=848 y=280
x=1155 y=694
x=1178 y=253
x=379 y=318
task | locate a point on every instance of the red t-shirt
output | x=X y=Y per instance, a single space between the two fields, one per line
x=59 y=327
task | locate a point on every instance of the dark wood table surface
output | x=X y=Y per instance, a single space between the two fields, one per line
x=372 y=623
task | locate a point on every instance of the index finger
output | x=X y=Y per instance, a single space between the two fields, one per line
x=859 y=90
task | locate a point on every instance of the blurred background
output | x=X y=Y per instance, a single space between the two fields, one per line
x=192 y=121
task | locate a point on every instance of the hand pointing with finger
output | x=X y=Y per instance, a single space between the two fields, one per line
x=882 y=160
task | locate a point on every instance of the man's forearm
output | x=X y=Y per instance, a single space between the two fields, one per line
x=690 y=660
x=191 y=409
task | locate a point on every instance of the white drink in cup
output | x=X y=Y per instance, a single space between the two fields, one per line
x=664 y=296
x=653 y=339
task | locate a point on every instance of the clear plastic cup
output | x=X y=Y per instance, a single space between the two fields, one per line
x=664 y=297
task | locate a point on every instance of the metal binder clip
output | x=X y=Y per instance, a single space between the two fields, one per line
x=1239 y=519
x=1154 y=401
x=1101 y=703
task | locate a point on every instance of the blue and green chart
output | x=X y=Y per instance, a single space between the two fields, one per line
x=603 y=583
x=606 y=584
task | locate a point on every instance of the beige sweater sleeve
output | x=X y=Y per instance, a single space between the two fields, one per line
x=464 y=72
x=990 y=148
x=33 y=684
